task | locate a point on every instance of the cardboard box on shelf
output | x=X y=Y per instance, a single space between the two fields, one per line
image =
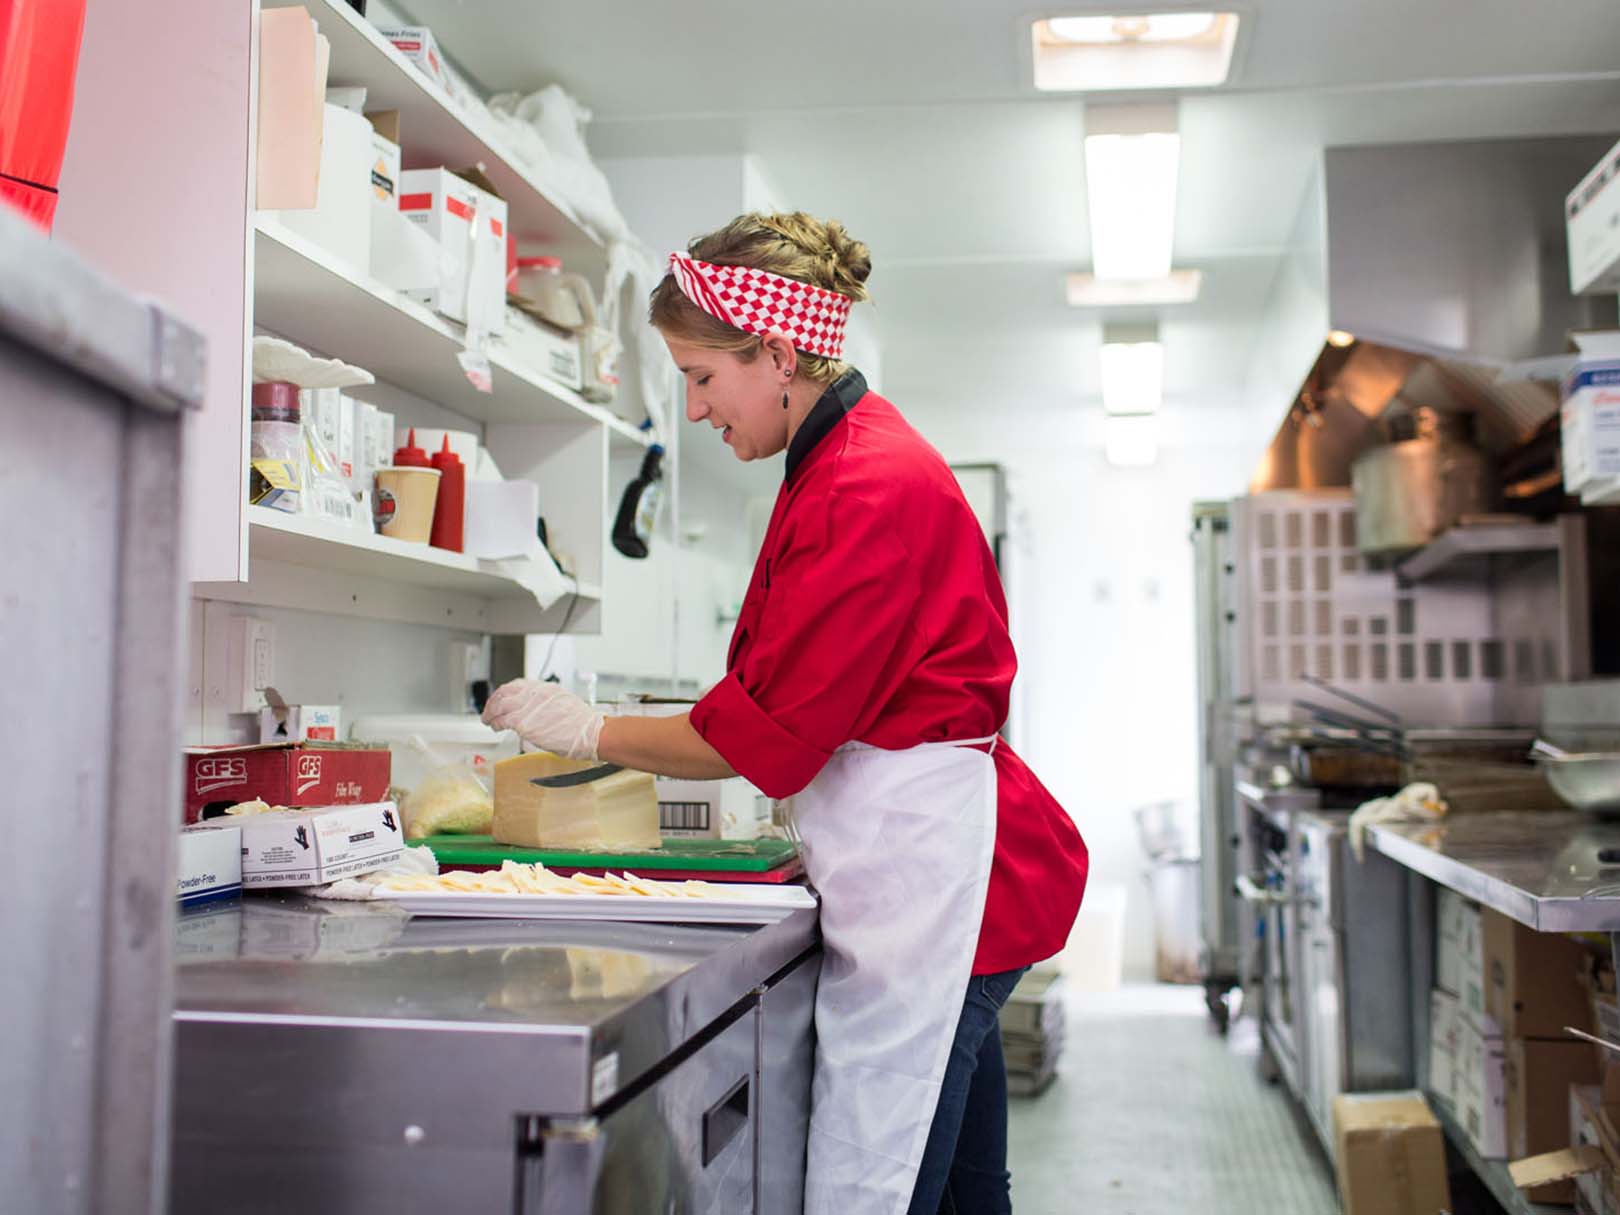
x=1532 y=980
x=1589 y=417
x=417 y=44
x=1481 y=1089
x=473 y=265
x=1445 y=1045
x=1391 y=1154
x=300 y=723
x=1592 y=228
x=386 y=124
x=1537 y=1080
x=283 y=774
x=316 y=845
x=532 y=343
x=1456 y=932
x=1592 y=1124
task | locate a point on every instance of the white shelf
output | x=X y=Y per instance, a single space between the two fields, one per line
x=307 y=295
x=305 y=540
x=318 y=565
x=437 y=130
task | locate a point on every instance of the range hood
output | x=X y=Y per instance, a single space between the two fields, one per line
x=1447 y=266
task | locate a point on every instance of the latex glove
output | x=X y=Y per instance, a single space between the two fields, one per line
x=547 y=716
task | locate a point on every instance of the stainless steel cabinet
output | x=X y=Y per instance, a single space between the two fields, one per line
x=685 y=1146
x=354 y=1061
x=1354 y=983
x=787 y=1057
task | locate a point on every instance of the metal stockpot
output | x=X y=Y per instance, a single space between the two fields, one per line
x=1409 y=491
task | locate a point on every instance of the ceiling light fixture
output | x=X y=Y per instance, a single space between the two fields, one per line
x=1089 y=291
x=1132 y=155
x=1131 y=441
x=1135 y=27
x=1132 y=369
x=1097 y=53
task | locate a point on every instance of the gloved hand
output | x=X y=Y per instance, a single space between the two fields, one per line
x=547 y=716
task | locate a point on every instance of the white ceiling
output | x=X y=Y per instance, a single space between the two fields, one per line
x=914 y=121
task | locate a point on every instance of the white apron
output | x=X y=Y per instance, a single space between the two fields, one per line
x=899 y=845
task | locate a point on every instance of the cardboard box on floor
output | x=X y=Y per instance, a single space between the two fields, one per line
x=1532 y=980
x=1391 y=1155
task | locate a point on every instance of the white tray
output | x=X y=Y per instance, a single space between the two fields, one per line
x=740 y=904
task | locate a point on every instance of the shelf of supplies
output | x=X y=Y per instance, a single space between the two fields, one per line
x=1463 y=550
x=1494 y=1173
x=307 y=295
x=324 y=544
x=437 y=129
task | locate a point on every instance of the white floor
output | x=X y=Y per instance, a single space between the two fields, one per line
x=1153 y=1113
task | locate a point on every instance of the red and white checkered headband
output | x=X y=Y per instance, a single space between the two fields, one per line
x=759 y=302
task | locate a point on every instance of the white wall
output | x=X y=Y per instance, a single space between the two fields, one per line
x=364 y=666
x=1106 y=638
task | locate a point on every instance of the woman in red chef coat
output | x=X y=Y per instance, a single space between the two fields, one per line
x=867 y=679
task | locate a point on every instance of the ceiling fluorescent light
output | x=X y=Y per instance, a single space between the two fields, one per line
x=1097 y=54
x=1177 y=287
x=1132 y=155
x=1132 y=366
x=1131 y=441
x=1136 y=27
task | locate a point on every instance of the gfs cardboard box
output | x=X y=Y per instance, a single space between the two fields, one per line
x=283 y=774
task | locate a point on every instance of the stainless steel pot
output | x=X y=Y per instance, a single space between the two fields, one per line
x=1589 y=781
x=1409 y=491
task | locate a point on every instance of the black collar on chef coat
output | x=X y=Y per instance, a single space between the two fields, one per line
x=826 y=413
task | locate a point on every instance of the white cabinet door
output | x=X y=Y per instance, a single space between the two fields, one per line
x=155 y=194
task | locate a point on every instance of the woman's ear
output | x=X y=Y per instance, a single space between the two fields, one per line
x=784 y=359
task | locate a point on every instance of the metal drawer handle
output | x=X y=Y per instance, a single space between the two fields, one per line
x=724 y=1120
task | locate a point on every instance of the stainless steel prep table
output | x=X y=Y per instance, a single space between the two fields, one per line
x=1551 y=871
x=1554 y=872
x=346 y=1057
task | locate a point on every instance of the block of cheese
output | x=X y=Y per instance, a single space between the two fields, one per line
x=615 y=813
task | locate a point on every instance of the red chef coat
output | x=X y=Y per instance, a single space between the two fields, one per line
x=876 y=614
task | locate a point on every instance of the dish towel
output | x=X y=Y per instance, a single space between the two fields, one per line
x=1417 y=803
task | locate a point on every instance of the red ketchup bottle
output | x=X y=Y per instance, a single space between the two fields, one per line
x=450 y=511
x=411 y=456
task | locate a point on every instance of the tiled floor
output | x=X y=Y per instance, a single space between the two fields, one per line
x=1154 y=1114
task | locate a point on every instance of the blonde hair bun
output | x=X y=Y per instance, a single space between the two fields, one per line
x=790 y=243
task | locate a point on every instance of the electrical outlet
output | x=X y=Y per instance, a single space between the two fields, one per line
x=251 y=664
x=468 y=662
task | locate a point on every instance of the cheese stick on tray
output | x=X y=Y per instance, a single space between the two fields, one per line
x=515 y=878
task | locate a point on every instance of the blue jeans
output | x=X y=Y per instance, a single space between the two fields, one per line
x=964 y=1166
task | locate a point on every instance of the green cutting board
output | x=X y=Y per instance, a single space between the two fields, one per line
x=743 y=856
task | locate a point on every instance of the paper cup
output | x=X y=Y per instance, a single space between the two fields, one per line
x=405 y=500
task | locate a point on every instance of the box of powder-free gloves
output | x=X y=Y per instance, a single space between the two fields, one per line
x=313 y=846
x=208 y=864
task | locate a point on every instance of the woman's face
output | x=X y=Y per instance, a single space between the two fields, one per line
x=742 y=399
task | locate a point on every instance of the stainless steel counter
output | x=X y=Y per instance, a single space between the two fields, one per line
x=1554 y=872
x=407 y=1058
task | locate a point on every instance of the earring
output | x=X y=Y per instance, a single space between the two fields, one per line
x=784 y=399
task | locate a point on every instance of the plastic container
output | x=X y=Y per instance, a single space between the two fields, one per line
x=449 y=738
x=563 y=299
x=275 y=430
x=405 y=501
x=410 y=455
x=450 y=508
